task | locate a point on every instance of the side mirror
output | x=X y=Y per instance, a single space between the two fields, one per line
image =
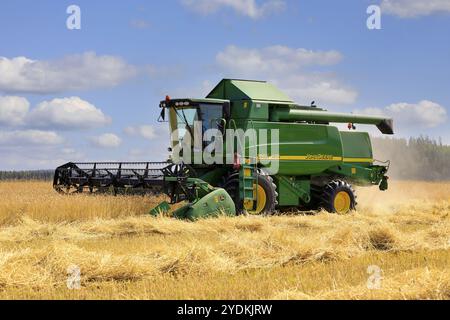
x=162 y=116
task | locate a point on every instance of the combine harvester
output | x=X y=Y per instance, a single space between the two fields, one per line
x=317 y=164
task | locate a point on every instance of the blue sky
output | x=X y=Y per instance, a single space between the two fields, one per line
x=93 y=94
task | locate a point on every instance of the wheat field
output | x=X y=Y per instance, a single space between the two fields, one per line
x=123 y=253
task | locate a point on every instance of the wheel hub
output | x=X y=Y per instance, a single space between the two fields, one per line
x=342 y=202
x=260 y=195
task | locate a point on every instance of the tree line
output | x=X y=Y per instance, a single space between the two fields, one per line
x=45 y=175
x=415 y=158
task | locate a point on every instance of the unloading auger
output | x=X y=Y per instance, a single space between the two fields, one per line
x=318 y=164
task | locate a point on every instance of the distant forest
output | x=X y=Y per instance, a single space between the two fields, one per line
x=411 y=159
x=27 y=175
x=414 y=159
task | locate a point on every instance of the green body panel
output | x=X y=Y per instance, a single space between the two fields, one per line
x=249 y=99
x=246 y=109
x=357 y=173
x=214 y=204
x=206 y=201
x=235 y=90
x=162 y=209
x=304 y=149
x=357 y=145
x=211 y=175
x=291 y=190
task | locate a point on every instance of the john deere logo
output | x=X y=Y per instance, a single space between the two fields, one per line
x=319 y=157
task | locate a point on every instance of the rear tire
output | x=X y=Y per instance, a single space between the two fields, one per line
x=338 y=197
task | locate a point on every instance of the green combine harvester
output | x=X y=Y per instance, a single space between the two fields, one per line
x=316 y=163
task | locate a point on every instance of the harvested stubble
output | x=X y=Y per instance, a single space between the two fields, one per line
x=123 y=253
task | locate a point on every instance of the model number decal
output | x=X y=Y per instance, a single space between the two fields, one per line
x=319 y=157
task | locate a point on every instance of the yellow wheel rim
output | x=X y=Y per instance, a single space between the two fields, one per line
x=260 y=195
x=342 y=202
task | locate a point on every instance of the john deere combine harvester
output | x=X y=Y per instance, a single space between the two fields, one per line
x=317 y=164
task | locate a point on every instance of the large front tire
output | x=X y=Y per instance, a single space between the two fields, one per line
x=265 y=193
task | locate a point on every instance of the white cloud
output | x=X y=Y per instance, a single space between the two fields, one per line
x=424 y=114
x=323 y=88
x=67 y=113
x=285 y=67
x=249 y=8
x=107 y=140
x=145 y=131
x=73 y=72
x=274 y=59
x=29 y=137
x=33 y=157
x=414 y=8
x=13 y=110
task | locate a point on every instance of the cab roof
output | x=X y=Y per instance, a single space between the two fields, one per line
x=238 y=89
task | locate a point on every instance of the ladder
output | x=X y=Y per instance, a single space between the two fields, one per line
x=248 y=180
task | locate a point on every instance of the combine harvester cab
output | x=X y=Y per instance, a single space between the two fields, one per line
x=317 y=164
